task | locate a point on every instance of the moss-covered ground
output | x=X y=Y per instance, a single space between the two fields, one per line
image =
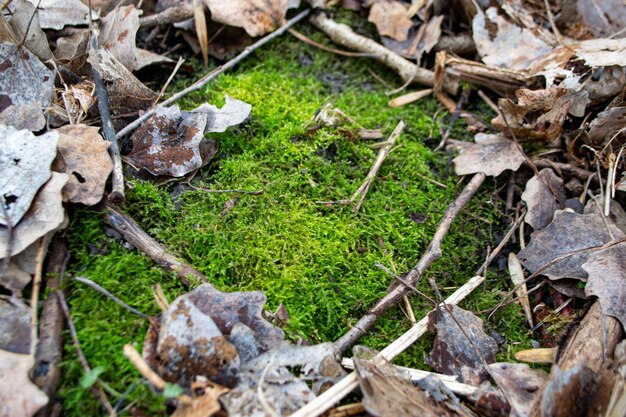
x=317 y=260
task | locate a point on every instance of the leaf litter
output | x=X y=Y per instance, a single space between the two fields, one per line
x=218 y=346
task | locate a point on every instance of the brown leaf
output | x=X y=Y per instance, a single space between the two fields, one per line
x=607 y=280
x=257 y=17
x=391 y=19
x=15 y=279
x=563 y=387
x=503 y=44
x=520 y=384
x=56 y=14
x=491 y=154
x=542 y=197
x=18 y=395
x=388 y=392
x=24 y=19
x=604 y=18
x=45 y=214
x=205 y=400
x=71 y=51
x=26 y=86
x=15 y=326
x=453 y=353
x=25 y=161
x=127 y=95
x=568 y=234
x=117 y=34
x=82 y=154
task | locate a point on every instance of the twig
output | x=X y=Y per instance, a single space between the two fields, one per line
x=215 y=72
x=408 y=71
x=34 y=298
x=318 y=45
x=9 y=225
x=179 y=63
x=108 y=131
x=107 y=294
x=144 y=369
x=97 y=389
x=141 y=240
x=338 y=391
x=365 y=186
x=168 y=16
x=433 y=253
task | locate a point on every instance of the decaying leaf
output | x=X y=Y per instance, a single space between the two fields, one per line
x=14 y=279
x=18 y=395
x=25 y=161
x=117 y=34
x=510 y=47
x=204 y=401
x=453 y=353
x=257 y=17
x=388 y=392
x=24 y=20
x=172 y=142
x=542 y=196
x=82 y=154
x=565 y=386
x=607 y=280
x=558 y=251
x=391 y=19
x=15 y=324
x=606 y=18
x=26 y=88
x=520 y=383
x=491 y=154
x=71 y=51
x=46 y=214
x=127 y=95
x=55 y=14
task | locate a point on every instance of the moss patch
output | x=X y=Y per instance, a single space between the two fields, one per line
x=315 y=259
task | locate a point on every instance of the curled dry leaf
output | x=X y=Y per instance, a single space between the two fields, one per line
x=510 y=47
x=18 y=395
x=56 y=14
x=46 y=214
x=607 y=280
x=542 y=196
x=391 y=19
x=117 y=34
x=493 y=155
x=127 y=95
x=388 y=392
x=257 y=17
x=82 y=154
x=172 y=142
x=25 y=165
x=558 y=251
x=26 y=87
x=453 y=353
x=520 y=383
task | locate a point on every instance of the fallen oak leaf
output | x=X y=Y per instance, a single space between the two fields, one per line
x=567 y=237
x=117 y=34
x=491 y=154
x=391 y=19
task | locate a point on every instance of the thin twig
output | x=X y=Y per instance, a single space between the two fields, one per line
x=107 y=294
x=144 y=369
x=311 y=42
x=9 y=225
x=34 y=298
x=215 y=72
x=179 y=63
x=97 y=389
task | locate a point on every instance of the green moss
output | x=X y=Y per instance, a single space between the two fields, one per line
x=318 y=260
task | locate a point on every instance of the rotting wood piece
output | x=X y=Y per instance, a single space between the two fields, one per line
x=592 y=343
x=408 y=71
x=133 y=233
x=50 y=347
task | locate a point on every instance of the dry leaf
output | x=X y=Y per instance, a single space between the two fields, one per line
x=55 y=14
x=19 y=397
x=453 y=353
x=204 y=402
x=25 y=161
x=607 y=280
x=388 y=392
x=15 y=279
x=520 y=383
x=568 y=234
x=257 y=17
x=71 y=51
x=24 y=19
x=117 y=34
x=604 y=18
x=45 y=214
x=83 y=155
x=127 y=95
x=510 y=47
x=172 y=142
x=146 y=58
x=26 y=88
x=493 y=155
x=565 y=386
x=391 y=19
x=15 y=325
x=542 y=196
